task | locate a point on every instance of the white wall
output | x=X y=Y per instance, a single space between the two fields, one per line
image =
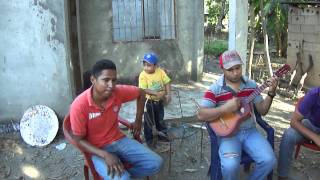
x=33 y=57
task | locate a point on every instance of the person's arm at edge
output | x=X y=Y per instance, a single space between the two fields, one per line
x=168 y=89
x=152 y=92
x=210 y=114
x=296 y=124
x=140 y=110
x=168 y=92
x=264 y=106
x=88 y=147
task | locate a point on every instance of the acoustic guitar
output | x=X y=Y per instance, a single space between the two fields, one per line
x=228 y=123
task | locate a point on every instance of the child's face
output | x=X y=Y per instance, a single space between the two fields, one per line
x=149 y=68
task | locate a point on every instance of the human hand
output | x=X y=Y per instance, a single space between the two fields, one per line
x=136 y=128
x=232 y=105
x=167 y=99
x=115 y=167
x=161 y=94
x=317 y=141
x=273 y=83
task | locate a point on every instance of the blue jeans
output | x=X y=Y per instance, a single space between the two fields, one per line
x=145 y=162
x=290 y=138
x=255 y=145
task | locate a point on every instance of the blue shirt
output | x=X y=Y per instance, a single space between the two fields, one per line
x=218 y=93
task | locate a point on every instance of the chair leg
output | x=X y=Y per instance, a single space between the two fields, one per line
x=247 y=167
x=297 y=151
x=209 y=170
x=201 y=142
x=270 y=175
x=169 y=169
x=86 y=172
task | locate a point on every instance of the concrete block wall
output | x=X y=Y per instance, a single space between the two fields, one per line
x=183 y=56
x=304 y=38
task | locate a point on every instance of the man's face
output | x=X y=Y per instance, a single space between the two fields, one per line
x=233 y=74
x=105 y=83
x=149 y=68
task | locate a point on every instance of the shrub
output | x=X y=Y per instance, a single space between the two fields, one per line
x=215 y=47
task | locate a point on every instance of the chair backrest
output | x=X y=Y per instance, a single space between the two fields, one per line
x=214 y=169
x=68 y=134
x=67 y=129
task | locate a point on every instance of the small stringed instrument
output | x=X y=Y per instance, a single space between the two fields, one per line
x=229 y=123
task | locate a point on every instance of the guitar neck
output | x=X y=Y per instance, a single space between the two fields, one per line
x=256 y=92
x=284 y=69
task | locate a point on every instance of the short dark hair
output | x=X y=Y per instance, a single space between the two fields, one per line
x=102 y=65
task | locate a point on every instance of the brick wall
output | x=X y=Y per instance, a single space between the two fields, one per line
x=304 y=40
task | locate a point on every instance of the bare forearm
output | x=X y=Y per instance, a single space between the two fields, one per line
x=168 y=89
x=296 y=124
x=150 y=92
x=88 y=147
x=264 y=106
x=210 y=114
x=140 y=105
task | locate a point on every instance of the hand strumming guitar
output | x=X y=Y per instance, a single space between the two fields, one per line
x=232 y=105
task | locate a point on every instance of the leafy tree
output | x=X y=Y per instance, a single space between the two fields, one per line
x=277 y=15
x=217 y=9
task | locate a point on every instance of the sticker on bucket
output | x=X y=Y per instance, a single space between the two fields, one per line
x=39 y=125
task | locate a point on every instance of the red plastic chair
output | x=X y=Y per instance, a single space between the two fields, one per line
x=87 y=156
x=308 y=144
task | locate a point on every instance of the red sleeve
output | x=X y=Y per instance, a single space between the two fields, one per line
x=127 y=93
x=209 y=95
x=78 y=120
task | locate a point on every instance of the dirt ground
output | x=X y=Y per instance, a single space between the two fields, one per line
x=20 y=161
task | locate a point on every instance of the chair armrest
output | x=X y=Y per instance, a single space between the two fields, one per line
x=129 y=126
x=125 y=122
x=265 y=126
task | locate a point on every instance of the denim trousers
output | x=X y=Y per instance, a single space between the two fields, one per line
x=255 y=145
x=145 y=162
x=290 y=138
x=154 y=116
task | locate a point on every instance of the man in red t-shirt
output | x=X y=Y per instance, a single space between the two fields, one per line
x=94 y=124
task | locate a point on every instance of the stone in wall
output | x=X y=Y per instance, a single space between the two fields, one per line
x=304 y=42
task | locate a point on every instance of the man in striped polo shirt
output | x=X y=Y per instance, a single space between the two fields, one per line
x=223 y=96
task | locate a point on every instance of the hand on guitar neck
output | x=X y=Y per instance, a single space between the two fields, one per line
x=272 y=83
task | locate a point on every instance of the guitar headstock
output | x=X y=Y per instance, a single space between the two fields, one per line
x=283 y=70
